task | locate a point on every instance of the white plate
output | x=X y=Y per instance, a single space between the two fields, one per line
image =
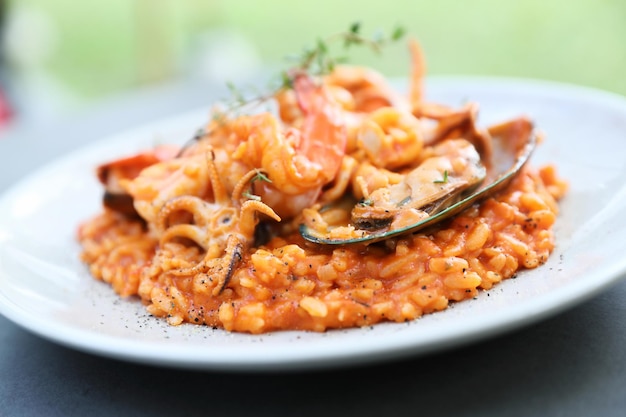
x=45 y=289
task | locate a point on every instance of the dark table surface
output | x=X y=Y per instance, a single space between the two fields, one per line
x=573 y=364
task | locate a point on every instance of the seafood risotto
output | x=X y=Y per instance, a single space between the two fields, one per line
x=209 y=233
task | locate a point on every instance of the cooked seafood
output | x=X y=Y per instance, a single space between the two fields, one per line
x=452 y=168
x=113 y=173
x=210 y=233
x=441 y=186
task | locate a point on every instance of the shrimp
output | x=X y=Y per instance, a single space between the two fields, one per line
x=300 y=159
x=113 y=173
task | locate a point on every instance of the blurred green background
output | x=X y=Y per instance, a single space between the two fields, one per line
x=94 y=49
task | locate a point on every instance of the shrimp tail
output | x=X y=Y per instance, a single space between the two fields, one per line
x=324 y=129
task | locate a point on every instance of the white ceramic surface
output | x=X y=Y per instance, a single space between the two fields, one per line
x=45 y=288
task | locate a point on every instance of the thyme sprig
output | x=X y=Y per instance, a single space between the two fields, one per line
x=251 y=196
x=316 y=60
x=239 y=101
x=261 y=177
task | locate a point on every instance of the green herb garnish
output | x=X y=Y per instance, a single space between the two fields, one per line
x=444 y=180
x=251 y=196
x=315 y=60
x=260 y=176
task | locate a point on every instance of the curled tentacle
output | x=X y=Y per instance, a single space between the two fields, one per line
x=209 y=224
x=195 y=206
x=188 y=231
x=233 y=256
x=244 y=182
x=220 y=196
x=220 y=268
x=248 y=219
